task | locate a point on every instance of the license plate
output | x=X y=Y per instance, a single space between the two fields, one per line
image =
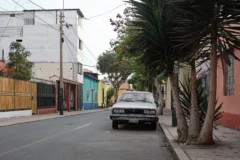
x=133 y=120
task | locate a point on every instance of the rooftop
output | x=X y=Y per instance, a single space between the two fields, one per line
x=66 y=9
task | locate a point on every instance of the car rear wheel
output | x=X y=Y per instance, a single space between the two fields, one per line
x=154 y=126
x=115 y=124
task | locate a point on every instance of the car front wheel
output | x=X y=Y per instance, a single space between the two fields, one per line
x=115 y=124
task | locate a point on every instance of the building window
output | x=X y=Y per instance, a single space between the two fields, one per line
x=80 y=66
x=230 y=77
x=29 y=18
x=88 y=95
x=80 y=44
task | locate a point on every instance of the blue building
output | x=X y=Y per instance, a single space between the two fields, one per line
x=90 y=91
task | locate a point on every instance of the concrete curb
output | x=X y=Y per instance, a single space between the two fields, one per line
x=54 y=117
x=179 y=152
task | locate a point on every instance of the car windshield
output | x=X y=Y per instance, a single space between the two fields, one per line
x=136 y=97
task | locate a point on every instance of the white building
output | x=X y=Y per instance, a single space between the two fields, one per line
x=38 y=31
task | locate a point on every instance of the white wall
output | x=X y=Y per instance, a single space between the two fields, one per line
x=16 y=21
x=43 y=42
x=12 y=32
x=11 y=114
x=45 y=70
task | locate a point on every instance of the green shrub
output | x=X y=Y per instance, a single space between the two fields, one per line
x=202 y=99
x=110 y=93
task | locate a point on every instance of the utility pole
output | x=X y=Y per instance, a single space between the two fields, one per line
x=61 y=65
x=3 y=55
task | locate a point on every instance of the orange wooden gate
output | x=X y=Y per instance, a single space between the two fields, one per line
x=17 y=95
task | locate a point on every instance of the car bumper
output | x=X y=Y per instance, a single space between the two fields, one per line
x=140 y=118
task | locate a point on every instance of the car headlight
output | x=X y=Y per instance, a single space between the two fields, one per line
x=152 y=112
x=118 y=111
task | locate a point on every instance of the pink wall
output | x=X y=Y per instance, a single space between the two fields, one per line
x=231 y=104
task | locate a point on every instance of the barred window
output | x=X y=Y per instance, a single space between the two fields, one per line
x=230 y=78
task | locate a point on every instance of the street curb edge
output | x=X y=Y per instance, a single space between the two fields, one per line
x=177 y=149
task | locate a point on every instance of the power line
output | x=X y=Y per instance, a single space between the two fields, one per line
x=21 y=17
x=72 y=28
x=42 y=8
x=74 y=46
x=89 y=51
x=85 y=45
x=88 y=18
x=8 y=22
x=65 y=35
x=35 y=15
x=106 y=12
x=7 y=1
x=48 y=25
x=73 y=55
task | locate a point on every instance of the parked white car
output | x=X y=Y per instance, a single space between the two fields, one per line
x=134 y=107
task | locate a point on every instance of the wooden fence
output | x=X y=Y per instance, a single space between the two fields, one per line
x=17 y=95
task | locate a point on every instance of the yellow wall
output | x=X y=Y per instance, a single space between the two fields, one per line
x=184 y=71
x=101 y=86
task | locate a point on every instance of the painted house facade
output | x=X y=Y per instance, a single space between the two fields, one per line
x=90 y=91
x=180 y=75
x=228 y=91
x=228 y=88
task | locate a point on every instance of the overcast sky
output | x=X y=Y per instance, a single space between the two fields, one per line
x=97 y=31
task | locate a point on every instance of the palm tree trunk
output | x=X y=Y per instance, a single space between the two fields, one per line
x=206 y=135
x=194 y=124
x=182 y=128
x=160 y=95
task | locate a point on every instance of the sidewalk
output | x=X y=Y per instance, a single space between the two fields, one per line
x=227 y=143
x=18 y=120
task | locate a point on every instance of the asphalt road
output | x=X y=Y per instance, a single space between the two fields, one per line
x=82 y=137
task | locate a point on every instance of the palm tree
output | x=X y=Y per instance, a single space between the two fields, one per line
x=152 y=24
x=215 y=24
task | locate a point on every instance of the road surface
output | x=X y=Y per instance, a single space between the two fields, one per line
x=82 y=137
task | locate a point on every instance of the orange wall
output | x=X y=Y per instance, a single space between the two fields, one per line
x=231 y=104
